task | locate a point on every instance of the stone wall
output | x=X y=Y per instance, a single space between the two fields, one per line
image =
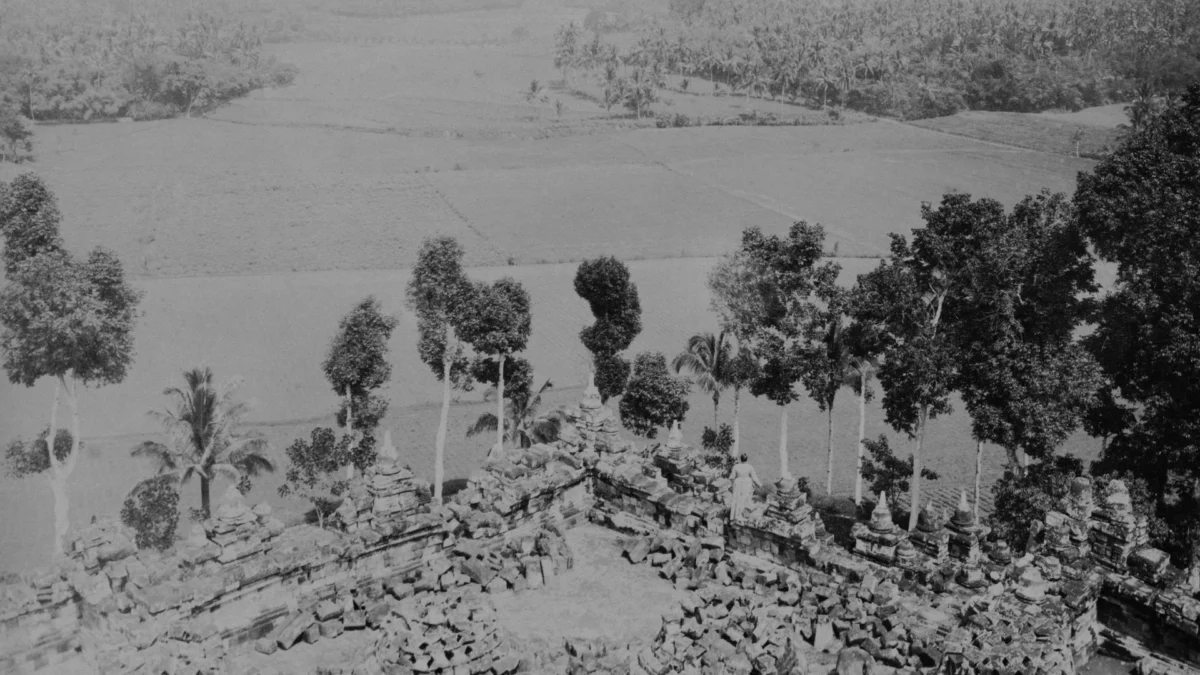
x=241 y=578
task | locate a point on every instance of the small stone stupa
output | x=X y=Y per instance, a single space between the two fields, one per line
x=789 y=514
x=391 y=489
x=879 y=538
x=591 y=426
x=931 y=537
x=965 y=534
x=675 y=437
x=591 y=395
x=1032 y=585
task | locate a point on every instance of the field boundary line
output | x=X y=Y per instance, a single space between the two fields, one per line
x=758 y=200
x=998 y=144
x=454 y=209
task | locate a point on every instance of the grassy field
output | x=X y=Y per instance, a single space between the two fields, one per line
x=254 y=229
x=1048 y=132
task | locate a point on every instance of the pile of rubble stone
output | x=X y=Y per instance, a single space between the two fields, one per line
x=743 y=613
x=519 y=564
x=452 y=632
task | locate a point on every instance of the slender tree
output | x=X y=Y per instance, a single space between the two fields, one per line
x=437 y=293
x=906 y=296
x=356 y=365
x=613 y=298
x=498 y=324
x=203 y=436
x=742 y=372
x=863 y=343
x=826 y=359
x=62 y=319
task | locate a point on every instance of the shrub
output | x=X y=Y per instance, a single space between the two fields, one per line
x=1022 y=500
x=152 y=511
x=16 y=137
x=719 y=446
x=669 y=120
x=887 y=473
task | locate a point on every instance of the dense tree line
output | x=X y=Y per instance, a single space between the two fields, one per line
x=915 y=58
x=997 y=306
x=90 y=64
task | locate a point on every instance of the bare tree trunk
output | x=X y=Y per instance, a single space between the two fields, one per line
x=439 y=457
x=1014 y=462
x=914 y=502
x=783 y=447
x=736 y=437
x=978 y=472
x=206 y=497
x=829 y=467
x=58 y=478
x=350 y=430
x=500 y=406
x=862 y=428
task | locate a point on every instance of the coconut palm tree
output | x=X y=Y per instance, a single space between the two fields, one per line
x=523 y=427
x=202 y=436
x=707 y=358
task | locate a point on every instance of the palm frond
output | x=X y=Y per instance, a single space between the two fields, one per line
x=485 y=422
x=224 y=469
x=546 y=429
x=253 y=464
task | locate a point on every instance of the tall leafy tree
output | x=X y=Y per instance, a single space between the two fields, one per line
x=1138 y=209
x=790 y=276
x=61 y=318
x=203 y=436
x=356 y=365
x=437 y=293
x=613 y=299
x=498 y=324
x=654 y=397
x=1025 y=380
x=905 y=296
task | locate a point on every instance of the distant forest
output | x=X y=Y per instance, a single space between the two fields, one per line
x=93 y=59
x=913 y=58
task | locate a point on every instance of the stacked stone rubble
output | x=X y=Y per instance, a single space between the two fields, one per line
x=1115 y=531
x=591 y=427
x=523 y=562
x=452 y=633
x=1068 y=528
x=743 y=612
x=238 y=531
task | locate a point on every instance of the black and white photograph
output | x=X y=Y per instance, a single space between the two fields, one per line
x=600 y=337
